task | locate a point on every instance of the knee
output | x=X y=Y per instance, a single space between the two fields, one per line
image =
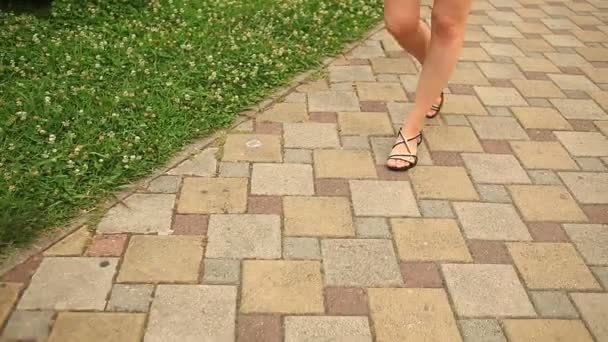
x=447 y=28
x=400 y=25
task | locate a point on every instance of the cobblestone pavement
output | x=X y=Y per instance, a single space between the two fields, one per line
x=291 y=229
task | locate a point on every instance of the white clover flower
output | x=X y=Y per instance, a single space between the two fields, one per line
x=52 y=138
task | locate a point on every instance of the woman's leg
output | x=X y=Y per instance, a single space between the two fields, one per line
x=402 y=19
x=448 y=25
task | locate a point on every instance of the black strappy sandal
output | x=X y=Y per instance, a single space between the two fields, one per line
x=399 y=156
x=436 y=108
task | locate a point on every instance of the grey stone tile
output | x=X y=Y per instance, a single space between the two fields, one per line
x=383 y=198
x=374 y=227
x=301 y=248
x=282 y=179
x=140 y=213
x=436 y=208
x=221 y=271
x=130 y=297
x=203 y=164
x=495 y=168
x=28 y=325
x=327 y=328
x=244 y=236
x=591 y=240
x=482 y=330
x=587 y=187
x=493 y=193
x=164 y=184
x=491 y=221
x=553 y=304
x=234 y=170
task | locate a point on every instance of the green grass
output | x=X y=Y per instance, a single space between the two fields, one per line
x=101 y=92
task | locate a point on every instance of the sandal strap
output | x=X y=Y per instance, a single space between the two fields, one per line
x=399 y=157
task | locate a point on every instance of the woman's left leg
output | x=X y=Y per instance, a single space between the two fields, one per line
x=448 y=25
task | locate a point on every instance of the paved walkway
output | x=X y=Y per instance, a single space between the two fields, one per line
x=293 y=229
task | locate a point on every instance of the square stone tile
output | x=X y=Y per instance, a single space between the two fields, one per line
x=221 y=271
x=282 y=179
x=190 y=224
x=311 y=135
x=364 y=123
x=375 y=227
x=69 y=283
x=538 y=88
x=393 y=66
x=234 y=170
x=541 y=118
x=139 y=213
x=472 y=287
x=452 y=139
x=535 y=64
x=498 y=128
x=254 y=328
x=318 y=216
x=493 y=193
x=130 y=297
x=590 y=164
x=567 y=59
x=563 y=40
x=544 y=177
x=346 y=73
x=501 y=71
x=543 y=155
x=491 y=221
x=486 y=330
x=468 y=76
x=244 y=236
x=533 y=45
x=381 y=91
x=579 y=109
x=332 y=187
x=546 y=330
x=435 y=208
x=252 y=147
x=284 y=112
x=494 y=168
x=192 y=313
x=547 y=232
x=593 y=54
x=421 y=274
x=591 y=241
x=360 y=263
x=265 y=205
x=494 y=49
x=355 y=142
x=498 y=31
x=344 y=164
x=151 y=259
x=573 y=82
x=93 y=327
x=463 y=104
x=545 y=265
x=429 y=240
x=332 y=101
x=282 y=286
x=553 y=304
x=584 y=144
x=442 y=182
x=28 y=326
x=412 y=315
x=489 y=252
x=594 y=309
x=203 y=164
x=72 y=245
x=327 y=328
x=500 y=96
x=601 y=273
x=213 y=195
x=268 y=128
x=587 y=187
x=346 y=301
x=546 y=203
x=383 y=198
x=164 y=184
x=301 y=248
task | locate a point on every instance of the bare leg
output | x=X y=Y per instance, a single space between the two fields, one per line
x=447 y=34
x=402 y=19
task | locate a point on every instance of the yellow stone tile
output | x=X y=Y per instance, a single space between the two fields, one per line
x=524 y=330
x=213 y=196
x=344 y=164
x=281 y=286
x=393 y=66
x=284 y=112
x=534 y=88
x=442 y=182
x=551 y=266
x=364 y=123
x=98 y=327
x=463 y=104
x=546 y=203
x=253 y=147
x=72 y=245
x=429 y=240
x=412 y=315
x=541 y=118
x=8 y=296
x=543 y=155
x=452 y=139
x=318 y=216
x=381 y=91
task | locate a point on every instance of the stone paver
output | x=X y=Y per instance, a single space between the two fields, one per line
x=69 y=283
x=83 y=326
x=153 y=259
x=289 y=227
x=360 y=263
x=327 y=328
x=411 y=315
x=176 y=313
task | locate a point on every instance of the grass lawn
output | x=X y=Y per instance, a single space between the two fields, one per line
x=101 y=92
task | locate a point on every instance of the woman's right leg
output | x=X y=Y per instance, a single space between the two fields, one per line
x=402 y=19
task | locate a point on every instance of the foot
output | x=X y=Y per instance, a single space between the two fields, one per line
x=403 y=156
x=436 y=107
